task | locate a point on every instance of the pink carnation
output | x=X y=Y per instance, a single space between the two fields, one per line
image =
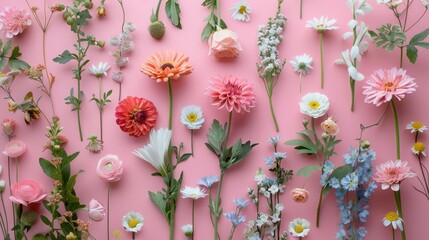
x=392 y=173
x=382 y=85
x=27 y=191
x=14 y=21
x=232 y=93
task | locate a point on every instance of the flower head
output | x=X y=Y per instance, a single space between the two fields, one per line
x=117 y=77
x=425 y=3
x=241 y=202
x=96 y=210
x=392 y=173
x=136 y=116
x=8 y=126
x=240 y=11
x=110 y=168
x=350 y=181
x=392 y=218
x=27 y=191
x=416 y=127
x=300 y=195
x=166 y=65
x=14 y=21
x=192 y=117
x=156 y=151
x=234 y=218
x=419 y=148
x=94 y=145
x=322 y=24
x=232 y=93
x=132 y=222
x=330 y=127
x=301 y=64
x=314 y=104
x=299 y=227
x=99 y=70
x=14 y=148
x=193 y=193
x=224 y=44
x=274 y=140
x=383 y=85
x=208 y=181
x=187 y=230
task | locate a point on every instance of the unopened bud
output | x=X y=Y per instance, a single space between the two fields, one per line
x=365 y=144
x=157 y=29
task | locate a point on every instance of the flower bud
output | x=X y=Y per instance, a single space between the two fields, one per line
x=325 y=136
x=96 y=210
x=88 y=4
x=2 y=185
x=8 y=126
x=29 y=218
x=66 y=15
x=101 y=11
x=157 y=29
x=100 y=44
x=187 y=230
x=305 y=122
x=365 y=144
x=70 y=20
x=12 y=106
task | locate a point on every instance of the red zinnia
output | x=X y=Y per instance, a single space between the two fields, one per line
x=136 y=116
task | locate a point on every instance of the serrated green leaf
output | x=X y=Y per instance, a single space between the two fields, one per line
x=64 y=57
x=158 y=199
x=306 y=171
x=17 y=64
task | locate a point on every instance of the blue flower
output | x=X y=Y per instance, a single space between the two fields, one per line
x=274 y=140
x=350 y=181
x=363 y=215
x=351 y=158
x=241 y=202
x=235 y=220
x=334 y=183
x=269 y=161
x=370 y=189
x=279 y=155
x=361 y=232
x=328 y=167
x=208 y=181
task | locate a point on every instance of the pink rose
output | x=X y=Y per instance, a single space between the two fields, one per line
x=96 y=210
x=14 y=148
x=300 y=195
x=8 y=126
x=110 y=168
x=224 y=44
x=330 y=127
x=27 y=191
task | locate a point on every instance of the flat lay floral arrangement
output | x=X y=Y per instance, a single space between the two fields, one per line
x=215 y=119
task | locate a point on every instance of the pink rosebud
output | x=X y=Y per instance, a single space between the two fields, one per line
x=27 y=191
x=96 y=210
x=330 y=127
x=110 y=168
x=300 y=195
x=224 y=44
x=14 y=148
x=8 y=126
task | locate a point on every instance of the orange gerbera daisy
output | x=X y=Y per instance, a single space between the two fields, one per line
x=166 y=65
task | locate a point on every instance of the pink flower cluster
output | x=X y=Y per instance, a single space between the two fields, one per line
x=14 y=21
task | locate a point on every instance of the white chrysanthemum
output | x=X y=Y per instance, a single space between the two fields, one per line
x=155 y=152
x=322 y=24
x=314 y=104
x=133 y=222
x=192 y=117
x=99 y=70
x=240 y=11
x=301 y=64
x=416 y=127
x=392 y=218
x=187 y=230
x=299 y=227
x=193 y=193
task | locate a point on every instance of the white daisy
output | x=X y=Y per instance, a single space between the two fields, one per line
x=192 y=117
x=99 y=70
x=419 y=148
x=314 y=104
x=299 y=227
x=392 y=218
x=322 y=24
x=187 y=230
x=193 y=193
x=416 y=127
x=240 y=11
x=301 y=64
x=133 y=222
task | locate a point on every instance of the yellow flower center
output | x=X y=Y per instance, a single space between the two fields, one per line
x=108 y=166
x=419 y=146
x=133 y=223
x=242 y=10
x=192 y=117
x=392 y=216
x=320 y=26
x=417 y=125
x=299 y=228
x=2 y=75
x=389 y=87
x=314 y=105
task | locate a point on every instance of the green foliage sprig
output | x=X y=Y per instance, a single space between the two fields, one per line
x=214 y=21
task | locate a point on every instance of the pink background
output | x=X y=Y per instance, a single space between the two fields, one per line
x=130 y=194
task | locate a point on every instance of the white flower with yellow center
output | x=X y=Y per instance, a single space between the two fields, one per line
x=322 y=24
x=419 y=148
x=416 y=127
x=193 y=193
x=299 y=227
x=314 y=104
x=133 y=222
x=192 y=117
x=392 y=218
x=240 y=11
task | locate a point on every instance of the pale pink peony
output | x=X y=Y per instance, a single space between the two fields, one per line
x=14 y=21
x=392 y=173
x=96 y=210
x=110 y=168
x=8 y=126
x=14 y=148
x=224 y=44
x=27 y=191
x=300 y=195
x=232 y=93
x=382 y=85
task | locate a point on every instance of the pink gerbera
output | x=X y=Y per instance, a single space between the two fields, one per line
x=382 y=85
x=392 y=173
x=231 y=93
x=14 y=21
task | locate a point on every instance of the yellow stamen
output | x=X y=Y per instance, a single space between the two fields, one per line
x=133 y=223
x=392 y=216
x=314 y=105
x=242 y=10
x=192 y=117
x=299 y=228
x=419 y=146
x=417 y=125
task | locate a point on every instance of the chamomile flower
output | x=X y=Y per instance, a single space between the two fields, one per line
x=99 y=70
x=301 y=64
x=240 y=11
x=192 y=117
x=322 y=24
x=132 y=222
x=299 y=227
x=416 y=127
x=314 y=105
x=419 y=148
x=392 y=218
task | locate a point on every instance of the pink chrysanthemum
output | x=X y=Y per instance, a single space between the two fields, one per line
x=231 y=93
x=14 y=21
x=392 y=173
x=382 y=85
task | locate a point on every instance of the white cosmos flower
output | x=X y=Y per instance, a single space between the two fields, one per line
x=155 y=152
x=99 y=70
x=240 y=11
x=192 y=117
x=299 y=227
x=322 y=24
x=193 y=193
x=314 y=104
x=301 y=64
x=132 y=222
x=392 y=218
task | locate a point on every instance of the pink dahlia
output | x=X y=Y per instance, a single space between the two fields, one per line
x=392 y=173
x=232 y=93
x=14 y=21
x=382 y=85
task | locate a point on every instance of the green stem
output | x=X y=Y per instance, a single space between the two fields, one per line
x=10 y=190
x=157 y=8
x=228 y=129
x=78 y=120
x=319 y=207
x=352 y=88
x=395 y=116
x=108 y=211
x=170 y=93
x=193 y=218
x=399 y=206
x=192 y=142
x=218 y=13
x=5 y=215
x=300 y=83
x=321 y=59
x=401 y=57
x=100 y=107
x=272 y=113
x=217 y=210
x=170 y=164
x=133 y=235
x=16 y=170
x=300 y=9
x=120 y=91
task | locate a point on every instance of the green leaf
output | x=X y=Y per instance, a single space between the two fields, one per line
x=64 y=57
x=340 y=172
x=389 y=36
x=172 y=9
x=6 y=47
x=207 y=31
x=422 y=44
x=83 y=16
x=45 y=220
x=68 y=159
x=158 y=199
x=49 y=169
x=306 y=171
x=412 y=53
x=419 y=37
x=184 y=157
x=216 y=136
x=17 y=64
x=3 y=62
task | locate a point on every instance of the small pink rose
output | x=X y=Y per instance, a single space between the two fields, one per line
x=300 y=195
x=14 y=148
x=27 y=191
x=330 y=127
x=96 y=210
x=224 y=44
x=8 y=126
x=110 y=168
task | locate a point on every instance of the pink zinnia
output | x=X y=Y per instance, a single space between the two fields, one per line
x=392 y=173
x=14 y=21
x=232 y=93
x=382 y=85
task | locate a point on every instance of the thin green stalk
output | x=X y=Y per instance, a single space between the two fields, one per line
x=108 y=211
x=300 y=83
x=319 y=207
x=10 y=188
x=395 y=116
x=192 y=142
x=170 y=117
x=228 y=129
x=352 y=88
x=16 y=170
x=399 y=206
x=100 y=107
x=217 y=206
x=272 y=113
x=170 y=164
x=193 y=218
x=300 y=9
x=218 y=13
x=321 y=59
x=157 y=8
x=5 y=214
x=133 y=235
